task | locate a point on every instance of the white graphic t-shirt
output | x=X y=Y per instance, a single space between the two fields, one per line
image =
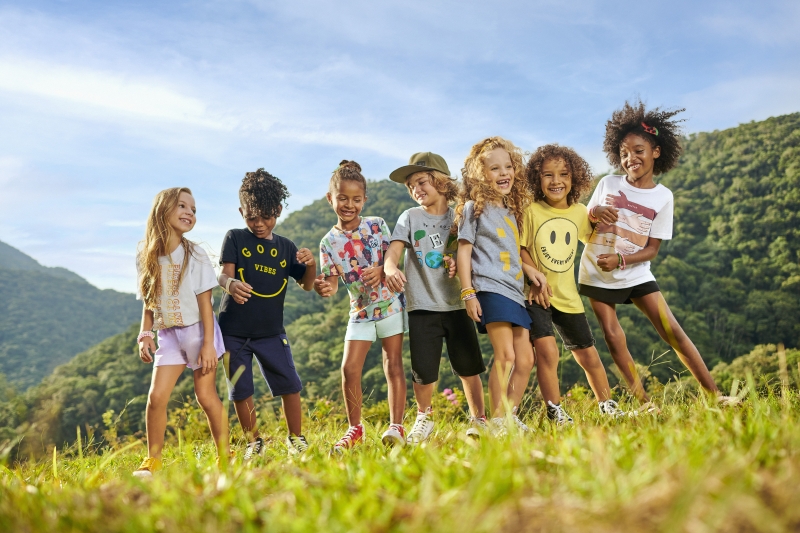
x=177 y=303
x=643 y=213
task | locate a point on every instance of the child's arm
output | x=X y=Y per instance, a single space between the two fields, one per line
x=395 y=279
x=464 y=259
x=326 y=285
x=540 y=290
x=147 y=347
x=605 y=214
x=239 y=290
x=305 y=256
x=208 y=353
x=609 y=262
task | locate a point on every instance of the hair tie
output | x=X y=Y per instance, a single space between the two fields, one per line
x=650 y=129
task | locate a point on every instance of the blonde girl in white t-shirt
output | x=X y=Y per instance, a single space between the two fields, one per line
x=175 y=281
x=631 y=215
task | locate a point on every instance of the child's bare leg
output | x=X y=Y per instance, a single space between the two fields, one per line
x=205 y=390
x=473 y=391
x=395 y=376
x=523 y=365
x=246 y=412
x=615 y=340
x=355 y=352
x=687 y=351
x=161 y=385
x=547 y=358
x=292 y=410
x=590 y=361
x=502 y=338
x=424 y=395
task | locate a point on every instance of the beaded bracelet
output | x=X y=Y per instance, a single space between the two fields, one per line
x=470 y=296
x=619 y=260
x=592 y=216
x=624 y=262
x=144 y=334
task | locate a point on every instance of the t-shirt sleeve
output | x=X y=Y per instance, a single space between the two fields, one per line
x=202 y=271
x=584 y=226
x=327 y=267
x=296 y=269
x=662 y=224
x=597 y=195
x=469 y=224
x=402 y=230
x=230 y=251
x=526 y=237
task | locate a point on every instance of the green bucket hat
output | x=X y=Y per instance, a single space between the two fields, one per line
x=417 y=163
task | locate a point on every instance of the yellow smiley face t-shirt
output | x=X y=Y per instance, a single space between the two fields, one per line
x=551 y=237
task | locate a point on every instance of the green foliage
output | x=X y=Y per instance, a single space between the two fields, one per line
x=763 y=365
x=48 y=315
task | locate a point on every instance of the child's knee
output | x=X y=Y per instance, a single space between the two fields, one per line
x=614 y=335
x=157 y=399
x=207 y=399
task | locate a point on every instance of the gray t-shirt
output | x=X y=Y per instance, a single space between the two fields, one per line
x=428 y=240
x=496 y=263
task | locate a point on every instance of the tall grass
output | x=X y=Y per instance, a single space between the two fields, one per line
x=693 y=467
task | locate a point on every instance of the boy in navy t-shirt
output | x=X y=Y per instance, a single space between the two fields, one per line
x=256 y=266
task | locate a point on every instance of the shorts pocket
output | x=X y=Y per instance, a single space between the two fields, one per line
x=287 y=350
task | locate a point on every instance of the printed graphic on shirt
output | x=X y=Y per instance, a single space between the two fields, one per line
x=505 y=257
x=556 y=244
x=631 y=231
x=266 y=264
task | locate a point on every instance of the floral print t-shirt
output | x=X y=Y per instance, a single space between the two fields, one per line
x=346 y=254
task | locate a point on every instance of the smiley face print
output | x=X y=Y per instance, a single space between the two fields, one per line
x=556 y=244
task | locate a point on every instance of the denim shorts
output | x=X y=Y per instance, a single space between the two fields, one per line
x=274 y=357
x=573 y=328
x=497 y=308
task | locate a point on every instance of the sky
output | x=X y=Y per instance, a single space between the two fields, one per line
x=103 y=104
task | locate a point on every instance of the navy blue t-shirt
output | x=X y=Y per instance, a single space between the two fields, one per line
x=266 y=265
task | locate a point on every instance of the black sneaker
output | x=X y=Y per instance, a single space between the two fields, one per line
x=296 y=445
x=254 y=448
x=557 y=414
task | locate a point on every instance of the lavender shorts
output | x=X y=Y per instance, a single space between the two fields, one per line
x=180 y=345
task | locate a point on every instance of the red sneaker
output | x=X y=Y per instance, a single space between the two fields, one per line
x=354 y=435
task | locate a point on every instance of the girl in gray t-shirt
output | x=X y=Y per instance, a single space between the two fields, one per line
x=491 y=271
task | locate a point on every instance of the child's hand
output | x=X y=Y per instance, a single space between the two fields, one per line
x=451 y=266
x=372 y=275
x=608 y=262
x=606 y=214
x=540 y=291
x=305 y=256
x=146 y=349
x=208 y=358
x=322 y=286
x=240 y=291
x=396 y=282
x=474 y=309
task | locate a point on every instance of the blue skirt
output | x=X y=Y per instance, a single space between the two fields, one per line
x=497 y=308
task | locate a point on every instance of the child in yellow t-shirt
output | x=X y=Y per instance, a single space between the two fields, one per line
x=552 y=226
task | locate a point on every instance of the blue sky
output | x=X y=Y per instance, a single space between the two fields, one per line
x=103 y=104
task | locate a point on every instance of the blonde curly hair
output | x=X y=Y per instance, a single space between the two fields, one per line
x=477 y=188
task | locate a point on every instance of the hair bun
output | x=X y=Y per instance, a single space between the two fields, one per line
x=350 y=164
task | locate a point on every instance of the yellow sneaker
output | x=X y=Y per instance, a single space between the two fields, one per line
x=148 y=466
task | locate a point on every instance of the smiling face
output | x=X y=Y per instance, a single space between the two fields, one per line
x=259 y=226
x=347 y=202
x=556 y=244
x=556 y=183
x=422 y=190
x=182 y=218
x=499 y=170
x=637 y=157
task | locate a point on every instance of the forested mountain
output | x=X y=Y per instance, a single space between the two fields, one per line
x=47 y=315
x=730 y=274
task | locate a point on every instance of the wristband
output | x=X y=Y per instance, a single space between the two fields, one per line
x=619 y=260
x=592 y=216
x=144 y=334
x=624 y=262
x=470 y=296
x=228 y=284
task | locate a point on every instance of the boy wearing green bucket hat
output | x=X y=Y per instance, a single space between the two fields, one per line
x=436 y=312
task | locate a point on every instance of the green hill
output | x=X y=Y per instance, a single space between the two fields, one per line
x=47 y=315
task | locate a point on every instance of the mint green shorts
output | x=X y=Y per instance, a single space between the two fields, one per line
x=377 y=329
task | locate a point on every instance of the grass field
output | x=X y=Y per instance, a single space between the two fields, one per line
x=694 y=467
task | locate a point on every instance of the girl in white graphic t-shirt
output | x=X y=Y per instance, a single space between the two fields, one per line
x=175 y=282
x=631 y=215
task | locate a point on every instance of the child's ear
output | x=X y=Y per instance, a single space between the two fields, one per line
x=656 y=152
x=330 y=199
x=241 y=212
x=280 y=210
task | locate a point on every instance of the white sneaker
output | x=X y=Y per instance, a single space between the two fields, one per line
x=422 y=429
x=728 y=401
x=557 y=414
x=296 y=444
x=611 y=409
x=255 y=448
x=497 y=426
x=520 y=424
x=394 y=436
x=477 y=427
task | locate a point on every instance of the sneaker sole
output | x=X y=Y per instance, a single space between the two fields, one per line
x=144 y=474
x=391 y=441
x=474 y=434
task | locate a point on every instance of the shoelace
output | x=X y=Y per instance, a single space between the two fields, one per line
x=418 y=431
x=557 y=413
x=299 y=443
x=348 y=436
x=479 y=421
x=400 y=429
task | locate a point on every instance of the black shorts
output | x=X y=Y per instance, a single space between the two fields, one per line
x=426 y=329
x=274 y=356
x=619 y=296
x=573 y=328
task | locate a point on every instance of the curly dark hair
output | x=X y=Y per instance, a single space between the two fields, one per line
x=656 y=126
x=347 y=171
x=579 y=171
x=262 y=193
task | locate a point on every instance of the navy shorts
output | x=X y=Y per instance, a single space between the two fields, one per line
x=497 y=308
x=274 y=357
